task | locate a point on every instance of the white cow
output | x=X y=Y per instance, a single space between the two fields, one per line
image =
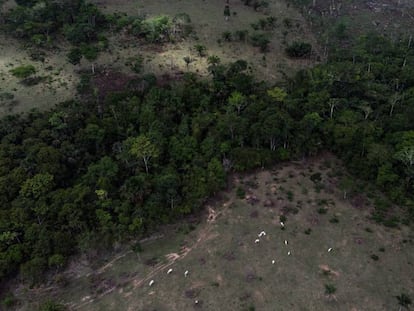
x=151 y=283
x=186 y=273
x=169 y=271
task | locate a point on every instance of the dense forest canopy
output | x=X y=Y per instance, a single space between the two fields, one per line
x=106 y=167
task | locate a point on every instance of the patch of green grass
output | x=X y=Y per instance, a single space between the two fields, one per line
x=23 y=71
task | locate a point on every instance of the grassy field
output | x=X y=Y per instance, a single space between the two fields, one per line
x=60 y=77
x=57 y=84
x=209 y=24
x=369 y=265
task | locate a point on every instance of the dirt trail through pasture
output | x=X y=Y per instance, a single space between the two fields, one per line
x=203 y=236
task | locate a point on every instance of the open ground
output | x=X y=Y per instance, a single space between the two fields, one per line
x=208 y=22
x=369 y=264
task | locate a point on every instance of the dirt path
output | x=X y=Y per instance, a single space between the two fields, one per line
x=171 y=257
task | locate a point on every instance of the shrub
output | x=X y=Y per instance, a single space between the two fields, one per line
x=241 y=35
x=50 y=305
x=287 y=22
x=290 y=195
x=156 y=29
x=316 y=177
x=334 y=220
x=308 y=231
x=136 y=63
x=330 y=289
x=9 y=301
x=374 y=257
x=23 y=71
x=201 y=49
x=322 y=210
x=261 y=40
x=240 y=193
x=299 y=49
x=226 y=36
x=137 y=248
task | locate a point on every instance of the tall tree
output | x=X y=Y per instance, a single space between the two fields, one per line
x=142 y=147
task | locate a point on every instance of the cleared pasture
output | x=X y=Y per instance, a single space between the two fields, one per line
x=369 y=264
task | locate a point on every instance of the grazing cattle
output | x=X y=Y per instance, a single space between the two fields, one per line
x=169 y=271
x=330 y=249
x=151 y=283
x=286 y=242
x=273 y=262
x=256 y=241
x=186 y=273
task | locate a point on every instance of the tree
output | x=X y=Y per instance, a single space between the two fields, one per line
x=167 y=185
x=333 y=103
x=299 y=49
x=187 y=60
x=347 y=185
x=90 y=52
x=393 y=100
x=213 y=60
x=74 y=56
x=216 y=176
x=237 y=100
x=37 y=186
x=277 y=94
x=142 y=147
